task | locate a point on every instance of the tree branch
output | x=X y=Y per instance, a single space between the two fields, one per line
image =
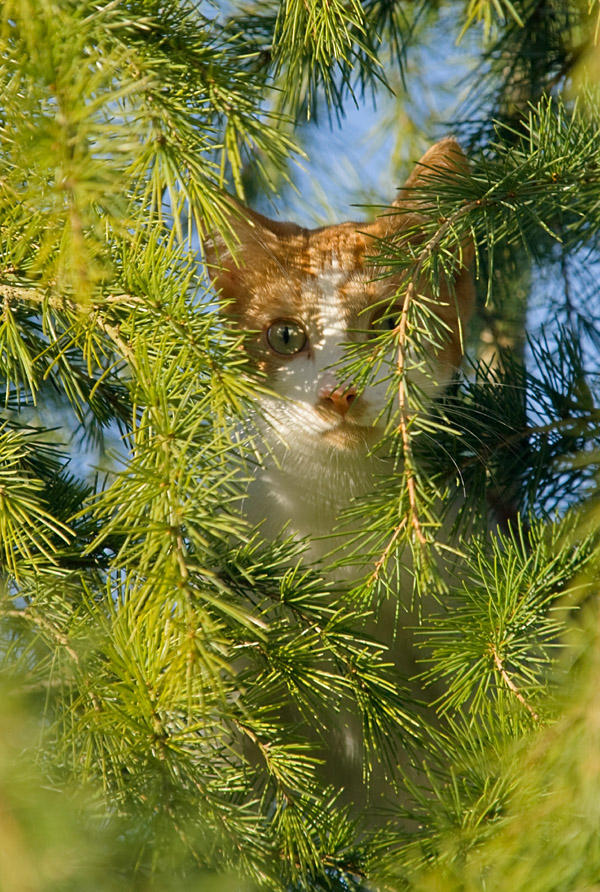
x=511 y=685
x=401 y=334
x=26 y=294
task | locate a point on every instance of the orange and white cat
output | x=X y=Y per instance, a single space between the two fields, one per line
x=305 y=293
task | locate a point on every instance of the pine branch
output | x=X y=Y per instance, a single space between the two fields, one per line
x=403 y=423
x=511 y=685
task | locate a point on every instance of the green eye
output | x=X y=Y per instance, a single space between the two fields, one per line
x=286 y=337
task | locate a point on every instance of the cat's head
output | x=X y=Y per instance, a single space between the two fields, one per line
x=306 y=293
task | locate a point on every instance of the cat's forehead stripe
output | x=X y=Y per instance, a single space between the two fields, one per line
x=339 y=247
x=331 y=310
x=319 y=277
x=322 y=278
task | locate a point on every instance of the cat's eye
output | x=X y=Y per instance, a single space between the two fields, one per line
x=384 y=322
x=286 y=337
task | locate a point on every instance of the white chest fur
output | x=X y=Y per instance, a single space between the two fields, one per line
x=313 y=464
x=303 y=485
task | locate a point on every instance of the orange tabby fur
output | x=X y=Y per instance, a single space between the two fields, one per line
x=270 y=251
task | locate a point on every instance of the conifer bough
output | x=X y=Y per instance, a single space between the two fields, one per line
x=170 y=679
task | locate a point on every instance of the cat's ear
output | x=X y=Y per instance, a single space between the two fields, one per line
x=432 y=173
x=410 y=218
x=252 y=242
x=443 y=158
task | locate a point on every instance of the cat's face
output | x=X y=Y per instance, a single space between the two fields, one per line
x=305 y=301
x=306 y=294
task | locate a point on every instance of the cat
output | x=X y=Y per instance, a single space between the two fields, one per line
x=305 y=293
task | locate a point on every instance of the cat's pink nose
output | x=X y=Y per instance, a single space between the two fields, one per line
x=338 y=398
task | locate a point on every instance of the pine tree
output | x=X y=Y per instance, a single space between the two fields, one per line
x=169 y=678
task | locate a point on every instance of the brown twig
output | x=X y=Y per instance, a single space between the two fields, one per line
x=400 y=333
x=403 y=423
x=38 y=296
x=46 y=626
x=511 y=685
x=383 y=558
x=24 y=293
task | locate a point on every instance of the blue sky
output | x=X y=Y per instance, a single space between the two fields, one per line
x=364 y=158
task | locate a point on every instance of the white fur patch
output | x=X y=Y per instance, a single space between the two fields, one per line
x=307 y=478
